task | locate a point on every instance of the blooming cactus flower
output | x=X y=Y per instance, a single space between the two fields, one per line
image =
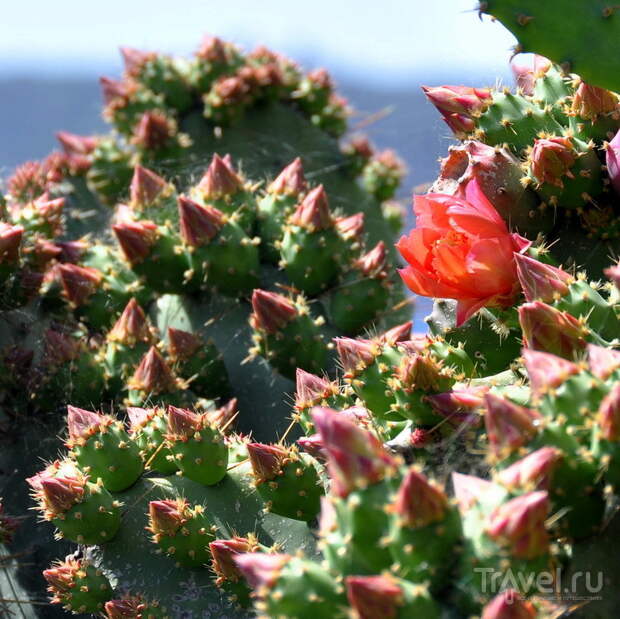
x=461 y=249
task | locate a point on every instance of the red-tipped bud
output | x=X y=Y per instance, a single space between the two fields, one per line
x=374 y=596
x=612 y=160
x=82 y=423
x=421 y=372
x=266 y=460
x=351 y=227
x=182 y=344
x=541 y=282
x=59 y=348
x=313 y=445
x=126 y=608
x=311 y=389
x=609 y=415
x=355 y=355
x=60 y=495
x=372 y=264
x=359 y=146
x=534 y=472
x=526 y=76
x=546 y=371
x=136 y=239
x=520 y=525
x=551 y=159
x=135 y=60
x=153 y=374
x=356 y=458
x=261 y=570
x=113 y=89
x=291 y=181
x=219 y=180
x=71 y=251
x=551 y=330
x=146 y=186
x=138 y=417
x=61 y=577
x=182 y=423
x=418 y=502
x=212 y=49
x=74 y=144
x=166 y=517
x=10 y=240
x=224 y=551
x=222 y=417
x=509 y=426
x=509 y=604
x=313 y=212
x=320 y=78
x=468 y=490
x=271 y=311
x=43 y=252
x=603 y=362
x=591 y=101
x=458 y=105
x=153 y=131
x=50 y=210
x=131 y=327
x=399 y=333
x=78 y=282
x=198 y=224
x=459 y=405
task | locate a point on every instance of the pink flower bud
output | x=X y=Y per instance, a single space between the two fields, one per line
x=526 y=76
x=609 y=415
x=126 y=608
x=418 y=502
x=182 y=344
x=114 y=90
x=458 y=105
x=271 y=311
x=313 y=212
x=356 y=458
x=372 y=264
x=139 y=417
x=135 y=60
x=222 y=417
x=541 y=282
x=468 y=490
x=146 y=186
x=182 y=423
x=612 y=160
x=534 y=472
x=551 y=159
x=266 y=460
x=10 y=241
x=550 y=330
x=198 y=224
x=167 y=517
x=603 y=362
x=399 y=333
x=351 y=227
x=136 y=239
x=313 y=445
x=219 y=180
x=591 y=101
x=520 y=525
x=459 y=405
x=131 y=326
x=261 y=570
x=82 y=423
x=546 y=371
x=224 y=551
x=78 y=283
x=290 y=181
x=355 y=355
x=153 y=374
x=372 y=597
x=419 y=372
x=311 y=389
x=74 y=144
x=154 y=130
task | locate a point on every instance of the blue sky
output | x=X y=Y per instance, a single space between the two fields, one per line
x=382 y=41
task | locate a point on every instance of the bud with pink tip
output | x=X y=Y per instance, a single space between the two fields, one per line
x=550 y=330
x=82 y=423
x=458 y=105
x=311 y=389
x=153 y=131
x=261 y=570
x=182 y=344
x=374 y=596
x=74 y=144
x=291 y=181
x=534 y=472
x=602 y=361
x=547 y=371
x=113 y=90
x=509 y=604
x=167 y=517
x=136 y=239
x=313 y=212
x=355 y=355
x=224 y=552
x=182 y=423
x=551 y=159
x=519 y=524
x=78 y=283
x=198 y=224
x=469 y=490
x=612 y=160
x=589 y=102
x=10 y=241
x=459 y=405
x=356 y=458
x=271 y=311
x=418 y=502
x=509 y=426
x=351 y=227
x=135 y=60
x=146 y=186
x=609 y=415
x=541 y=282
x=266 y=460
x=219 y=180
x=313 y=445
x=372 y=264
x=134 y=607
x=131 y=326
x=526 y=76
x=153 y=375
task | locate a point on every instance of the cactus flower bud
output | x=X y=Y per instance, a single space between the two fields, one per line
x=74 y=144
x=266 y=460
x=356 y=458
x=468 y=490
x=82 y=423
x=374 y=596
x=509 y=605
x=219 y=180
x=182 y=344
x=534 y=472
x=350 y=227
x=78 y=283
x=399 y=333
x=550 y=330
x=167 y=517
x=613 y=273
x=458 y=105
x=153 y=374
x=153 y=131
x=609 y=415
x=603 y=362
x=130 y=608
x=372 y=264
x=526 y=76
x=313 y=445
x=138 y=417
x=551 y=159
x=509 y=426
x=291 y=181
x=541 y=282
x=272 y=311
x=591 y=101
x=261 y=570
x=222 y=417
x=224 y=552
x=355 y=355
x=146 y=186
x=10 y=240
x=612 y=160
x=182 y=422
x=58 y=487
x=136 y=239
x=418 y=502
x=313 y=212
x=421 y=372
x=198 y=224
x=131 y=326
x=459 y=405
x=311 y=389
x=546 y=371
x=520 y=525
